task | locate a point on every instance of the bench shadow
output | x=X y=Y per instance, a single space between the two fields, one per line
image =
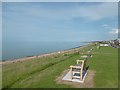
x=87 y=68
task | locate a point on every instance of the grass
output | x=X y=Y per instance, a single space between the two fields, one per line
x=0 y=76
x=41 y=73
x=105 y=63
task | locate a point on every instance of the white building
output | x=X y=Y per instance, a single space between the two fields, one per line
x=104 y=45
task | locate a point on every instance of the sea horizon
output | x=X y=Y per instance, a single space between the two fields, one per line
x=16 y=50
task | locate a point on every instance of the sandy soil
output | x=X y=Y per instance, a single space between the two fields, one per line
x=88 y=83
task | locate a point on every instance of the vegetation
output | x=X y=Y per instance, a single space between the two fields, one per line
x=42 y=72
x=105 y=63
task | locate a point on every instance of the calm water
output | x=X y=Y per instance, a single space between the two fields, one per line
x=13 y=50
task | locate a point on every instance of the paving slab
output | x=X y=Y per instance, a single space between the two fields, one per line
x=67 y=77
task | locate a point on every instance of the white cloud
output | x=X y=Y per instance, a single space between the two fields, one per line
x=114 y=31
x=110 y=29
x=101 y=11
x=90 y=12
x=104 y=25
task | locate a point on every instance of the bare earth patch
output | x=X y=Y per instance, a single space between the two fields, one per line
x=88 y=83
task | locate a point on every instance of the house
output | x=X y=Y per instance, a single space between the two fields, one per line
x=104 y=45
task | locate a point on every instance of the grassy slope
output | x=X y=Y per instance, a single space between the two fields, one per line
x=105 y=63
x=42 y=72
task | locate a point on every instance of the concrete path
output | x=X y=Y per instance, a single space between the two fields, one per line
x=67 y=77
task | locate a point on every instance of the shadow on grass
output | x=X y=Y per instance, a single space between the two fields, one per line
x=87 y=68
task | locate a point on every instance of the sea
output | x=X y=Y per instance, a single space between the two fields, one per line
x=15 y=50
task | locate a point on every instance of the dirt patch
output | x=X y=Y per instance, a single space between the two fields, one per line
x=88 y=83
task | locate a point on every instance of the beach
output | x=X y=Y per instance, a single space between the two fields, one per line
x=44 y=55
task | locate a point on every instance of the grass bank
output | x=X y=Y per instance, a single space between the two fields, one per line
x=105 y=63
x=41 y=72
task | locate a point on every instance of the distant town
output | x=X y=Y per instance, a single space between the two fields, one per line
x=113 y=43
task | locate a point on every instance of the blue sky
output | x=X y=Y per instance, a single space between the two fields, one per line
x=50 y=21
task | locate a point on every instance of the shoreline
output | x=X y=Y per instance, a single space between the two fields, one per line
x=43 y=55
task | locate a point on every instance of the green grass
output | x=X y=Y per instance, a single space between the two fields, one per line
x=41 y=73
x=0 y=76
x=105 y=63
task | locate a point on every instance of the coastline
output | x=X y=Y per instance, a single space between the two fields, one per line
x=44 y=55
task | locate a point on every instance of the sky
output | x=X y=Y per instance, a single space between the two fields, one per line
x=59 y=21
x=60 y=0
x=0 y=31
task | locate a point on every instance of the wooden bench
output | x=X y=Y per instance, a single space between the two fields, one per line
x=78 y=69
